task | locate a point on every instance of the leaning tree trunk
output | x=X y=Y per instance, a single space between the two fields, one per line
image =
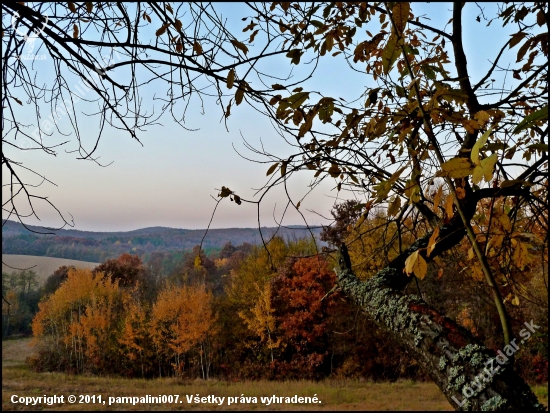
x=471 y=376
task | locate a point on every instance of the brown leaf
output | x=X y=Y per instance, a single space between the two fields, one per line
x=162 y=29
x=239 y=95
x=401 y=15
x=239 y=45
x=230 y=78
x=272 y=169
x=72 y=7
x=75 y=31
x=225 y=192
x=89 y=6
x=228 y=111
x=197 y=48
x=471 y=125
x=516 y=38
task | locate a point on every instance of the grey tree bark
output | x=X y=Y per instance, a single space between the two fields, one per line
x=471 y=376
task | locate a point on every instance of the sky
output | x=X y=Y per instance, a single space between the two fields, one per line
x=170 y=180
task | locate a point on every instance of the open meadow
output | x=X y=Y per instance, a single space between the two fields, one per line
x=42 y=266
x=17 y=379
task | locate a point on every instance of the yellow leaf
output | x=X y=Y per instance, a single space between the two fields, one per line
x=412 y=190
x=482 y=117
x=416 y=264
x=297 y=99
x=437 y=198
x=449 y=207
x=433 y=241
x=478 y=145
x=197 y=48
x=521 y=256
x=515 y=300
x=198 y=261
x=477 y=273
x=394 y=205
x=470 y=125
x=485 y=170
x=391 y=52
x=230 y=78
x=384 y=187
x=488 y=164
x=505 y=222
x=409 y=262
x=456 y=168
x=272 y=169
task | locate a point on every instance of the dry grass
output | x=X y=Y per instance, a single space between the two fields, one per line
x=42 y=266
x=17 y=379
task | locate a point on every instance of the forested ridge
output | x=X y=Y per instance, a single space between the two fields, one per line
x=98 y=246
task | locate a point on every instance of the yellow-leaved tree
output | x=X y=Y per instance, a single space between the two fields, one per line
x=77 y=325
x=182 y=319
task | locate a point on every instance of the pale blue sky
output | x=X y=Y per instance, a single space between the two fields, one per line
x=170 y=180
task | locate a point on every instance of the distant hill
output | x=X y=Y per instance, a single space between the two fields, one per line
x=93 y=246
x=42 y=266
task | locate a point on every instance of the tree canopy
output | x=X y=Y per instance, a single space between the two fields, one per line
x=438 y=153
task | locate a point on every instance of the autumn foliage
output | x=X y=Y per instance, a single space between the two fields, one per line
x=277 y=313
x=92 y=324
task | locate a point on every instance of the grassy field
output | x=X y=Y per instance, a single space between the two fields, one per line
x=42 y=266
x=18 y=380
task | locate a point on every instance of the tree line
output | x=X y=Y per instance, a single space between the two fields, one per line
x=246 y=312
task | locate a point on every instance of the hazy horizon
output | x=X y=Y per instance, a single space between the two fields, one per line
x=171 y=178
